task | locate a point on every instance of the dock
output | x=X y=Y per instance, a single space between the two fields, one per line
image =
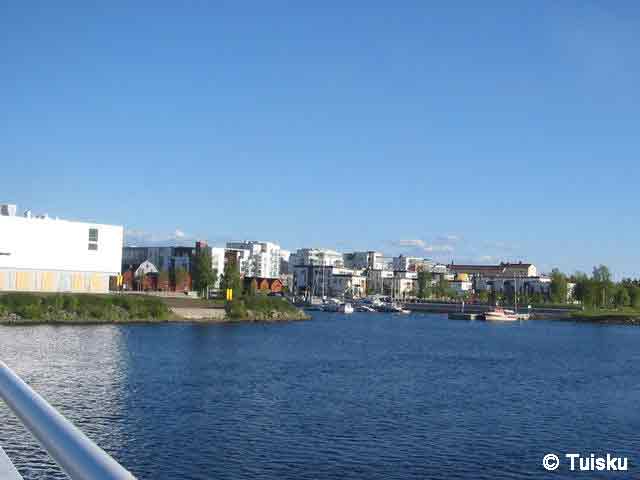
x=465 y=316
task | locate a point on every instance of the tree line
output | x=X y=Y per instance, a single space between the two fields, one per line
x=597 y=290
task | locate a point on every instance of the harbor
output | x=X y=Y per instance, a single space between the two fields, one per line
x=319 y=241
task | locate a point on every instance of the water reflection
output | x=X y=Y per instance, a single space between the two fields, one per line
x=80 y=371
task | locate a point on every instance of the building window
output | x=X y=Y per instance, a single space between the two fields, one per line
x=93 y=239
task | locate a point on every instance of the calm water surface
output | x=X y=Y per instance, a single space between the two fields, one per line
x=366 y=396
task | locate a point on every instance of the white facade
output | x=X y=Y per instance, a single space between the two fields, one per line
x=531 y=285
x=380 y=281
x=403 y=286
x=312 y=280
x=316 y=256
x=262 y=260
x=145 y=269
x=284 y=262
x=361 y=260
x=461 y=286
x=217 y=263
x=402 y=263
x=44 y=254
x=350 y=284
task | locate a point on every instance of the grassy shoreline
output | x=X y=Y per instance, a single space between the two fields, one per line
x=263 y=308
x=91 y=309
x=625 y=316
x=69 y=308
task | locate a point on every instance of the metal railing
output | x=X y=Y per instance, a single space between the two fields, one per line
x=79 y=457
x=7 y=470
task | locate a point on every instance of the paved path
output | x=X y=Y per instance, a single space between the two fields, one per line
x=215 y=314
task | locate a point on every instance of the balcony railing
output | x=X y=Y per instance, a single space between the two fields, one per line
x=77 y=455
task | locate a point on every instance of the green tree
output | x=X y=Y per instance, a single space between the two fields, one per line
x=603 y=284
x=442 y=287
x=558 y=287
x=586 y=291
x=253 y=288
x=634 y=296
x=621 y=297
x=231 y=279
x=204 y=276
x=537 y=298
x=483 y=296
x=424 y=284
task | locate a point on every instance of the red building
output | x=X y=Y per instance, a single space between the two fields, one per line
x=271 y=285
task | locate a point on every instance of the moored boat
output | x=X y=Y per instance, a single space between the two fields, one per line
x=364 y=308
x=337 y=307
x=345 y=308
x=499 y=314
x=393 y=308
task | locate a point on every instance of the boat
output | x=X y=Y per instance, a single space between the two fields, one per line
x=364 y=308
x=499 y=314
x=345 y=308
x=338 y=307
x=393 y=308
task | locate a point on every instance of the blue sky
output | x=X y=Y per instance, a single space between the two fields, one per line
x=473 y=131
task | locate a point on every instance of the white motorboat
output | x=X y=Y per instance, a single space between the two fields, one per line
x=365 y=308
x=501 y=315
x=393 y=308
x=345 y=308
x=333 y=306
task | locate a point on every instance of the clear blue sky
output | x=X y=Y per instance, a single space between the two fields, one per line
x=476 y=131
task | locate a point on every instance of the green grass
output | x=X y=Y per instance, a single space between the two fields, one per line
x=567 y=306
x=625 y=312
x=260 y=305
x=82 y=307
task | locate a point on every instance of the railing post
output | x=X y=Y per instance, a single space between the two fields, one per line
x=78 y=456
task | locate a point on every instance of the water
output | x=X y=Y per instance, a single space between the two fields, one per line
x=366 y=396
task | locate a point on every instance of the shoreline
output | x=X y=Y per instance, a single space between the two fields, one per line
x=86 y=309
x=21 y=322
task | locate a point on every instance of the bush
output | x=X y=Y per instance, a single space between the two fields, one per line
x=260 y=304
x=236 y=309
x=34 y=306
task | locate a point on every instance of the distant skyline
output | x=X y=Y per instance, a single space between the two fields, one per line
x=476 y=132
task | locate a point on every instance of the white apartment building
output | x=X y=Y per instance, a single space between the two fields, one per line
x=501 y=284
x=328 y=281
x=51 y=255
x=403 y=263
x=217 y=263
x=284 y=261
x=380 y=281
x=312 y=280
x=461 y=286
x=316 y=256
x=262 y=259
x=348 y=283
x=361 y=260
x=403 y=287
